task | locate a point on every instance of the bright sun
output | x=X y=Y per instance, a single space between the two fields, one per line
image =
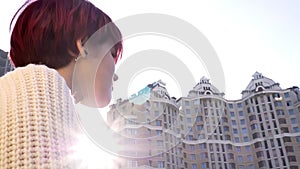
x=90 y=156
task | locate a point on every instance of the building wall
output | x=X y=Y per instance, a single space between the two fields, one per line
x=5 y=65
x=204 y=130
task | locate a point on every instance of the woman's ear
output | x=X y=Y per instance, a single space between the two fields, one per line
x=82 y=51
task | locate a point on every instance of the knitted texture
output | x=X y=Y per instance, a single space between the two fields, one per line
x=38 y=123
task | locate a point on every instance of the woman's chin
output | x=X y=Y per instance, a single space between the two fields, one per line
x=103 y=101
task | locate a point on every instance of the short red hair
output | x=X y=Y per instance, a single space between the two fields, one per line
x=47 y=30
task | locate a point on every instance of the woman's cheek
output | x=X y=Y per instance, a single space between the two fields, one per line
x=103 y=82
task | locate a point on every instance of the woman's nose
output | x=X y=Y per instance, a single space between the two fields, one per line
x=115 y=78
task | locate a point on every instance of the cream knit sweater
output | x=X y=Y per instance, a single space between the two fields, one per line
x=38 y=123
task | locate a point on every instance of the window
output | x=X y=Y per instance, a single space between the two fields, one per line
x=241 y=113
x=203 y=165
x=236 y=139
x=202 y=146
x=159 y=143
x=189 y=120
x=233 y=122
x=243 y=121
x=256 y=135
x=232 y=114
x=187 y=103
x=193 y=157
x=248 y=148
x=244 y=130
x=238 y=149
x=194 y=166
x=257 y=144
x=287 y=95
x=246 y=139
x=199 y=119
x=261 y=164
x=192 y=147
x=278 y=104
x=130 y=121
x=201 y=136
x=254 y=126
x=228 y=146
x=227 y=137
x=235 y=131
x=250 y=158
x=274 y=153
x=158 y=132
x=148 y=121
x=131 y=131
x=230 y=106
x=160 y=164
x=249 y=110
x=241 y=167
x=282 y=121
x=230 y=156
x=298 y=139
x=247 y=102
x=188 y=111
x=289 y=103
x=291 y=112
x=259 y=154
x=280 y=112
x=239 y=105
x=226 y=128
x=289 y=149
x=257 y=109
x=292 y=158
x=293 y=120
x=131 y=141
x=231 y=166
x=240 y=158
x=296 y=129
x=199 y=127
x=132 y=164
x=203 y=155
x=287 y=139
x=158 y=123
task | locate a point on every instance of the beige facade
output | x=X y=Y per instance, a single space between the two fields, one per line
x=5 y=65
x=204 y=130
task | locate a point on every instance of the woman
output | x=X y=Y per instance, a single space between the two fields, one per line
x=61 y=49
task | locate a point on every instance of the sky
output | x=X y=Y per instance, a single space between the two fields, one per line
x=248 y=36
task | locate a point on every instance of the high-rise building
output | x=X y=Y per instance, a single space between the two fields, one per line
x=5 y=65
x=205 y=130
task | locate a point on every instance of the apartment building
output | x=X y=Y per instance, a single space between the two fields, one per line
x=205 y=130
x=5 y=65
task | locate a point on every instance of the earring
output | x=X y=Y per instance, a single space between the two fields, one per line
x=82 y=54
x=76 y=59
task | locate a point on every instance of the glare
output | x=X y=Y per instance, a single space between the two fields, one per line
x=89 y=156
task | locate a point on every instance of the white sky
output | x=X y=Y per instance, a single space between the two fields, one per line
x=248 y=36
